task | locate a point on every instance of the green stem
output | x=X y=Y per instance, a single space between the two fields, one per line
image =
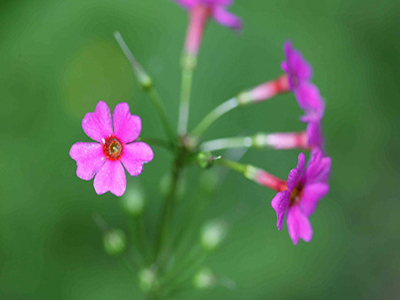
x=214 y=115
x=162 y=112
x=141 y=239
x=164 y=237
x=228 y=143
x=190 y=268
x=187 y=76
x=235 y=166
x=147 y=84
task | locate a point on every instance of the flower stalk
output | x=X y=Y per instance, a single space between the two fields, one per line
x=213 y=116
x=147 y=84
x=187 y=76
x=277 y=141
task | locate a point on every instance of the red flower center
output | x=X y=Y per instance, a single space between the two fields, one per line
x=112 y=148
x=296 y=194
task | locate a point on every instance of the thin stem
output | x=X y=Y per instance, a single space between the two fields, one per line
x=214 y=115
x=187 y=76
x=235 y=166
x=162 y=112
x=140 y=239
x=146 y=82
x=228 y=143
x=163 y=238
x=277 y=141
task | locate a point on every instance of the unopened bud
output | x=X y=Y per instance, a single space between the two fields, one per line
x=147 y=280
x=204 y=279
x=133 y=202
x=206 y=159
x=114 y=242
x=213 y=234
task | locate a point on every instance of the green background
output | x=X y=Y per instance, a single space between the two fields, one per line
x=59 y=58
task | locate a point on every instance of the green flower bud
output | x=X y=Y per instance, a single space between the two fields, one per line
x=204 y=279
x=114 y=241
x=133 y=202
x=212 y=234
x=147 y=280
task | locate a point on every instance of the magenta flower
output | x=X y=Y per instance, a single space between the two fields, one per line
x=299 y=74
x=115 y=147
x=200 y=11
x=315 y=135
x=305 y=187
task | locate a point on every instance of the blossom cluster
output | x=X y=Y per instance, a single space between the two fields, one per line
x=298 y=197
x=117 y=144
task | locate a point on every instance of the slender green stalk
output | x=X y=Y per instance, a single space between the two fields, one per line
x=140 y=239
x=147 y=84
x=188 y=271
x=228 y=143
x=187 y=76
x=214 y=115
x=235 y=166
x=162 y=112
x=164 y=238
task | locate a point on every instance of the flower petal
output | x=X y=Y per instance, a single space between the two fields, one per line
x=309 y=100
x=225 y=18
x=98 y=125
x=89 y=158
x=295 y=174
x=311 y=195
x=135 y=154
x=111 y=177
x=315 y=136
x=299 y=226
x=127 y=127
x=280 y=204
x=319 y=167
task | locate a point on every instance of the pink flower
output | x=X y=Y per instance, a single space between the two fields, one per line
x=200 y=11
x=304 y=189
x=299 y=74
x=114 y=148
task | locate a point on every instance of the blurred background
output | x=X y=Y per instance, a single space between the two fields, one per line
x=59 y=58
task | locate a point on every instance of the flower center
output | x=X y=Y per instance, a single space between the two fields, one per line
x=296 y=194
x=112 y=148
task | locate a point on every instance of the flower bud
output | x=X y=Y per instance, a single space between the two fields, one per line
x=206 y=159
x=133 y=202
x=213 y=234
x=204 y=279
x=114 y=242
x=147 y=280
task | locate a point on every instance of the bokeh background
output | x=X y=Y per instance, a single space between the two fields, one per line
x=59 y=58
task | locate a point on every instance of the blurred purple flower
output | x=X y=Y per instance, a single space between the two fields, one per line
x=305 y=187
x=114 y=148
x=299 y=74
